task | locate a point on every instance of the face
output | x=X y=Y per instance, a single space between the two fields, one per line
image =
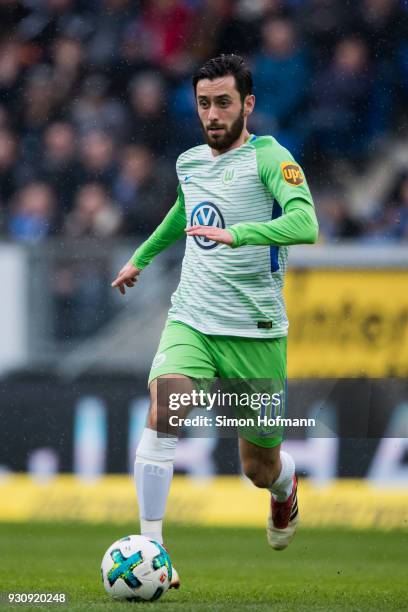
x=351 y=55
x=222 y=113
x=36 y=200
x=279 y=37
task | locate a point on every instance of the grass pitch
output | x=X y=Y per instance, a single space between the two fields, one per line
x=221 y=569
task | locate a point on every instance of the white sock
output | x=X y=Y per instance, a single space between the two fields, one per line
x=153 y=475
x=282 y=487
x=152 y=529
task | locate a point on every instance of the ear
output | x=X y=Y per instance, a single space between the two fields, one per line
x=249 y=104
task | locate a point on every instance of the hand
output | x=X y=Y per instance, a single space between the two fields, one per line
x=127 y=276
x=212 y=233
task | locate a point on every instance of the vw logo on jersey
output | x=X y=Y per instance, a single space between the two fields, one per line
x=207 y=213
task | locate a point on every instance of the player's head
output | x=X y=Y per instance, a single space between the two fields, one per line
x=223 y=91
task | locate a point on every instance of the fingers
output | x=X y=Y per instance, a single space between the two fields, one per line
x=123 y=279
x=121 y=286
x=196 y=228
x=212 y=233
x=202 y=230
x=199 y=231
x=119 y=280
x=128 y=271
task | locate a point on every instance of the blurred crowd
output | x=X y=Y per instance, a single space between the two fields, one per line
x=96 y=103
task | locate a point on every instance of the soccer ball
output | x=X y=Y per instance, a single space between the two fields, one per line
x=136 y=568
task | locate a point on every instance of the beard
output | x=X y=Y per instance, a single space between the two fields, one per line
x=222 y=141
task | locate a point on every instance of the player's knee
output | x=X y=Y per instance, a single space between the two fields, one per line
x=156 y=450
x=258 y=473
x=262 y=481
x=261 y=473
x=159 y=402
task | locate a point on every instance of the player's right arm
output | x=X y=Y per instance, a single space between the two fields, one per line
x=169 y=231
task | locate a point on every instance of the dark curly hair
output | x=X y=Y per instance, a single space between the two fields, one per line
x=225 y=65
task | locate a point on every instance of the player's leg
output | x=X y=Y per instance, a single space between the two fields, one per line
x=181 y=358
x=261 y=465
x=155 y=455
x=260 y=365
x=274 y=470
x=154 y=463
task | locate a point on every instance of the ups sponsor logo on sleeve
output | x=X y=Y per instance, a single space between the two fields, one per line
x=292 y=173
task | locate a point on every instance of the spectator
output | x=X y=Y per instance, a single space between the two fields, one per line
x=38 y=109
x=167 y=24
x=133 y=59
x=32 y=213
x=111 y=19
x=183 y=118
x=98 y=161
x=149 y=123
x=68 y=55
x=59 y=166
x=8 y=166
x=281 y=73
x=11 y=70
x=100 y=92
x=5 y=118
x=390 y=222
x=238 y=30
x=94 y=109
x=323 y=23
x=335 y=219
x=400 y=204
x=144 y=190
x=11 y=14
x=204 y=41
x=49 y=19
x=258 y=9
x=383 y=25
x=340 y=101
x=93 y=215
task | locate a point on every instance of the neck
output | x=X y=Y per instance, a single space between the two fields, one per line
x=238 y=143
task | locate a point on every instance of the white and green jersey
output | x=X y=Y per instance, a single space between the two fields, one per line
x=257 y=192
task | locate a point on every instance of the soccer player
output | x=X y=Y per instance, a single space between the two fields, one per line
x=242 y=200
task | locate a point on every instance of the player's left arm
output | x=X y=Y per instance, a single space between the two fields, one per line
x=285 y=181
x=298 y=225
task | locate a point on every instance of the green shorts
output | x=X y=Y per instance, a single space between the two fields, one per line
x=187 y=351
